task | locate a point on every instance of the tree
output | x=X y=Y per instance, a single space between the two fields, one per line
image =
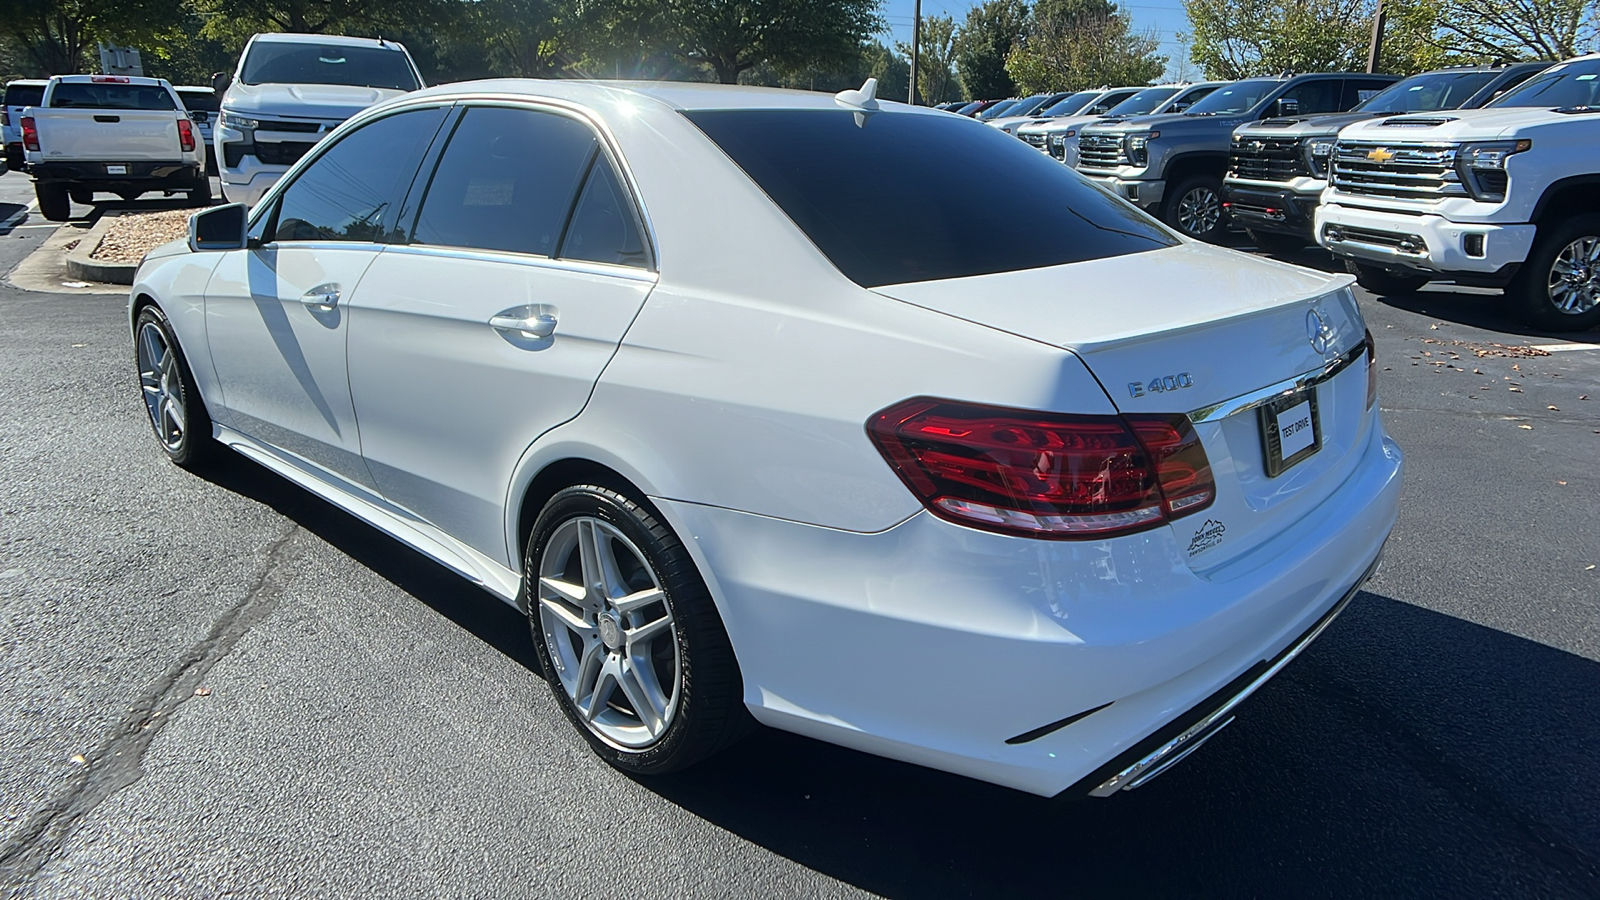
x=1075 y=44
x=982 y=44
x=1493 y=30
x=936 y=81
x=734 y=36
x=56 y=36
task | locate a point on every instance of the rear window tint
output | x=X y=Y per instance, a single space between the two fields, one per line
x=77 y=95
x=24 y=94
x=199 y=101
x=876 y=197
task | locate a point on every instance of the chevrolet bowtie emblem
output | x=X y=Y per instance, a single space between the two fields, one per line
x=1380 y=155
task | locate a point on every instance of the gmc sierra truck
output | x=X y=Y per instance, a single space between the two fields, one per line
x=1172 y=165
x=1504 y=196
x=120 y=134
x=1278 y=168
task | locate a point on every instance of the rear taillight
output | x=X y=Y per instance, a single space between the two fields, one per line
x=1372 y=370
x=5 y=118
x=30 y=133
x=186 y=135
x=1048 y=475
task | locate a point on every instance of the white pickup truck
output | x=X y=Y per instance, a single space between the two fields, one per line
x=292 y=89
x=1503 y=196
x=119 y=134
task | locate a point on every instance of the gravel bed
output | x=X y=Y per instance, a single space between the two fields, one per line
x=132 y=235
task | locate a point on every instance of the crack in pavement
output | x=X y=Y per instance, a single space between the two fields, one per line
x=118 y=763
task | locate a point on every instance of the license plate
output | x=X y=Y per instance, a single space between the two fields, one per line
x=116 y=170
x=1290 y=431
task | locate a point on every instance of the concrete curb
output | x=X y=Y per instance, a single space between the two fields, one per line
x=81 y=267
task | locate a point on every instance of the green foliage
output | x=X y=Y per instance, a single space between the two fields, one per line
x=982 y=44
x=1076 y=44
x=58 y=37
x=1495 y=30
x=936 y=78
x=1240 y=38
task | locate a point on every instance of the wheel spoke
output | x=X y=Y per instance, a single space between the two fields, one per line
x=572 y=593
x=644 y=633
x=637 y=600
x=567 y=617
x=589 y=560
x=639 y=697
x=605 y=683
x=594 y=653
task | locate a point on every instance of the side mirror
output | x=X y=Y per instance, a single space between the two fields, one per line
x=219 y=228
x=1285 y=106
x=220 y=83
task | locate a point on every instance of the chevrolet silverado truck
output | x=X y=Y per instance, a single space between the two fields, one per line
x=1059 y=136
x=292 y=89
x=1503 y=196
x=1278 y=168
x=1172 y=165
x=120 y=134
x=19 y=95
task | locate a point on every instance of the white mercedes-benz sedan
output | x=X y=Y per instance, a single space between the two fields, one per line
x=758 y=422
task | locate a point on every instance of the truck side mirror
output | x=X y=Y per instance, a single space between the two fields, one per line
x=219 y=228
x=220 y=83
x=1285 y=106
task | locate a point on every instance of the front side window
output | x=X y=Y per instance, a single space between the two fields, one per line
x=1570 y=85
x=1106 y=103
x=1313 y=97
x=349 y=191
x=863 y=193
x=296 y=62
x=1239 y=97
x=1069 y=105
x=506 y=181
x=1143 y=102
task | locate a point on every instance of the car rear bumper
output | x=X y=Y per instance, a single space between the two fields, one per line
x=969 y=652
x=1427 y=244
x=144 y=176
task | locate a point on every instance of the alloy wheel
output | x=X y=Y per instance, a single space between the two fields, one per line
x=1573 y=283
x=610 y=632
x=1199 y=211
x=162 y=386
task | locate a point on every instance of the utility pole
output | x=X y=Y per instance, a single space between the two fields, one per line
x=916 y=34
x=1377 y=39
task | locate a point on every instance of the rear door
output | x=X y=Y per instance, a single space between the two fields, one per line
x=518 y=275
x=276 y=313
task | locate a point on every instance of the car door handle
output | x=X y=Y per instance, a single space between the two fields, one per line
x=323 y=297
x=532 y=325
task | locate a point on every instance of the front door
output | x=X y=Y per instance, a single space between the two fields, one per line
x=523 y=268
x=276 y=313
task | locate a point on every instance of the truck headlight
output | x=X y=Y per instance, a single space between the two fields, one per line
x=1317 y=151
x=232 y=120
x=1137 y=146
x=1482 y=167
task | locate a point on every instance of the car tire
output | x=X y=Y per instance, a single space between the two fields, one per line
x=1277 y=244
x=1195 y=208
x=176 y=411
x=54 y=203
x=1558 y=287
x=1383 y=282
x=200 y=194
x=82 y=196
x=682 y=668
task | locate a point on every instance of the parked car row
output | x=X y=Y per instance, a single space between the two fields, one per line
x=1482 y=175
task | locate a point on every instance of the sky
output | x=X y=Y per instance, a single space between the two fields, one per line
x=1165 y=17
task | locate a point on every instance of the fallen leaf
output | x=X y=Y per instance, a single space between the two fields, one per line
x=1433 y=328
x=1526 y=427
x=1477 y=371
x=1556 y=408
x=78 y=759
x=1514 y=389
x=80 y=345
x=1561 y=482
x=1516 y=368
x=202 y=692
x=1583 y=396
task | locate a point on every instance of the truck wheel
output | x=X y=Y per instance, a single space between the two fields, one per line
x=1195 y=208
x=1558 y=288
x=54 y=203
x=1277 y=244
x=1383 y=282
x=81 y=195
x=200 y=194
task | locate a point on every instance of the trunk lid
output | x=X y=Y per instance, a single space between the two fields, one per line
x=108 y=135
x=1181 y=330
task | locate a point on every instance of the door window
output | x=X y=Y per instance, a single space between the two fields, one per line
x=1312 y=97
x=1359 y=90
x=603 y=227
x=506 y=182
x=348 y=191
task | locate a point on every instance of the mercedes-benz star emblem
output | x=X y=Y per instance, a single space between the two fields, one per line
x=1318 y=331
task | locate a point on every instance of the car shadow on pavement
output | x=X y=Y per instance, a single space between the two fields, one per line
x=441 y=589
x=1476 y=308
x=1407 y=753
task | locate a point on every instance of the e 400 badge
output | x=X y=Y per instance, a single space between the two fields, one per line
x=1161 y=385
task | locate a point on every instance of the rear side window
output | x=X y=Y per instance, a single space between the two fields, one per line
x=24 y=94
x=603 y=228
x=347 y=192
x=77 y=95
x=871 y=195
x=506 y=181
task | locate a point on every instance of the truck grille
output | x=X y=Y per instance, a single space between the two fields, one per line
x=281 y=153
x=1267 y=159
x=1035 y=139
x=1416 y=171
x=1100 y=151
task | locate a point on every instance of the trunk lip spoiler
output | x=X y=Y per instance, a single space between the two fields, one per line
x=1262 y=396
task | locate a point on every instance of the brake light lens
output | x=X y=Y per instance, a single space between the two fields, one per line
x=1372 y=370
x=186 y=135
x=30 y=133
x=110 y=79
x=1047 y=475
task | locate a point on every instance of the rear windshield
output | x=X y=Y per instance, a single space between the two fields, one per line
x=196 y=101
x=868 y=194
x=24 y=94
x=279 y=62
x=1427 y=92
x=79 y=95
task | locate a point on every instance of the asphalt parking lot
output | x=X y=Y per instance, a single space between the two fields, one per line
x=223 y=686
